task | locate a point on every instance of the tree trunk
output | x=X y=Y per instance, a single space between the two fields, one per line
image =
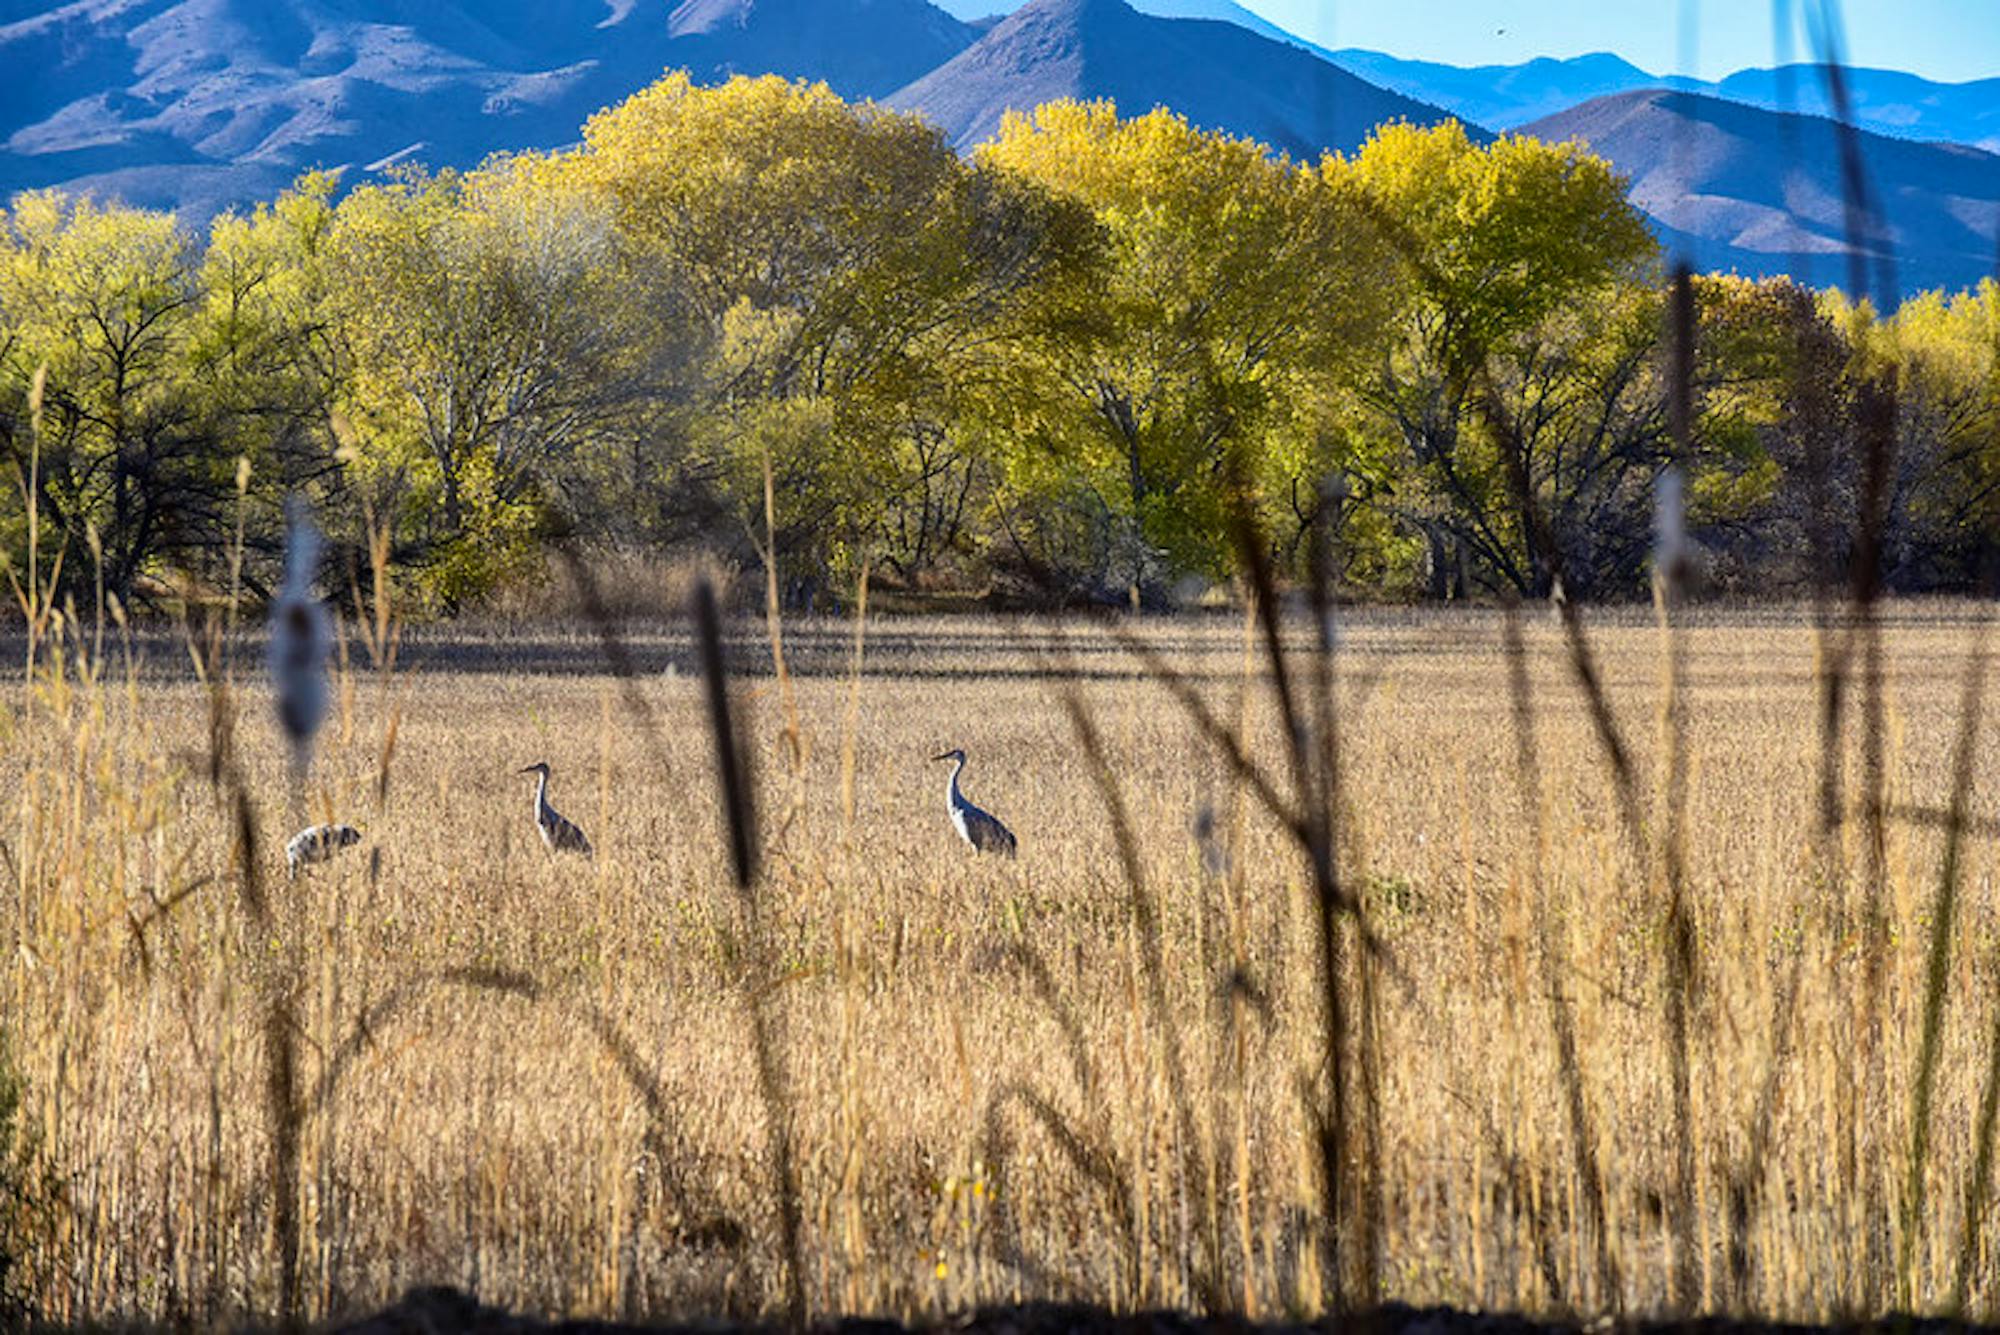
x=454 y=520
x=1437 y=564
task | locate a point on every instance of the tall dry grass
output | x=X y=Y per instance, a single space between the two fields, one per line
x=1101 y=1072
x=1465 y=959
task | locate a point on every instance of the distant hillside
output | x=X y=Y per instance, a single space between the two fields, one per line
x=201 y=104
x=1755 y=190
x=862 y=48
x=1224 y=11
x=1218 y=75
x=1500 y=96
x=1887 y=102
x=1504 y=96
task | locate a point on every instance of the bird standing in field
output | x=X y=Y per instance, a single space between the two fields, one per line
x=981 y=829
x=317 y=843
x=558 y=833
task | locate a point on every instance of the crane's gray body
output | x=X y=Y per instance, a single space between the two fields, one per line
x=559 y=834
x=981 y=829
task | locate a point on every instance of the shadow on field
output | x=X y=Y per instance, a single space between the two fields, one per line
x=824 y=649
x=447 y=1311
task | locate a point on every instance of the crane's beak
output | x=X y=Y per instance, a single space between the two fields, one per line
x=945 y=756
x=528 y=770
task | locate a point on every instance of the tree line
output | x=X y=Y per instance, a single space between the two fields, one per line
x=756 y=321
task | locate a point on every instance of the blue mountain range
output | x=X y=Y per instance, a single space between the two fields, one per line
x=204 y=105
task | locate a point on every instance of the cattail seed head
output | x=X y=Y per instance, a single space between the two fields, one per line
x=300 y=638
x=1670 y=554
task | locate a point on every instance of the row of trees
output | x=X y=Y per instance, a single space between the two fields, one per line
x=1062 y=366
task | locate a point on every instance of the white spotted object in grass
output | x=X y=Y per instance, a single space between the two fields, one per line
x=317 y=843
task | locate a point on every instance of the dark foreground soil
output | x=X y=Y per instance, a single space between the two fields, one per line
x=443 y=1311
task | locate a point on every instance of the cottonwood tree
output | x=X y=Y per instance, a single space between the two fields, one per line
x=849 y=268
x=263 y=356
x=1516 y=257
x=1944 y=512
x=487 y=330
x=1809 y=364
x=1145 y=399
x=104 y=299
x=1075 y=359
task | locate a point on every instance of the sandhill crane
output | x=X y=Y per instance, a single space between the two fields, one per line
x=317 y=843
x=558 y=833
x=981 y=829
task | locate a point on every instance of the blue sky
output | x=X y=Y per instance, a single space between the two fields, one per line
x=1952 y=40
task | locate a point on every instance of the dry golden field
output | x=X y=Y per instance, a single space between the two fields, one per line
x=536 y=1078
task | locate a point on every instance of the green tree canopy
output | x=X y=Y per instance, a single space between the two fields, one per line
x=1231 y=278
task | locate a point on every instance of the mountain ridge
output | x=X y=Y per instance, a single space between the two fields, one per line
x=1704 y=167
x=1503 y=96
x=1219 y=75
x=244 y=93
x=202 y=105
x=1886 y=102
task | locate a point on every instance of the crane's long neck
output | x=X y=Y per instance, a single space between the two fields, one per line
x=952 y=796
x=541 y=791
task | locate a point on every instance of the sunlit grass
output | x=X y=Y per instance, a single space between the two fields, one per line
x=533 y=1076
